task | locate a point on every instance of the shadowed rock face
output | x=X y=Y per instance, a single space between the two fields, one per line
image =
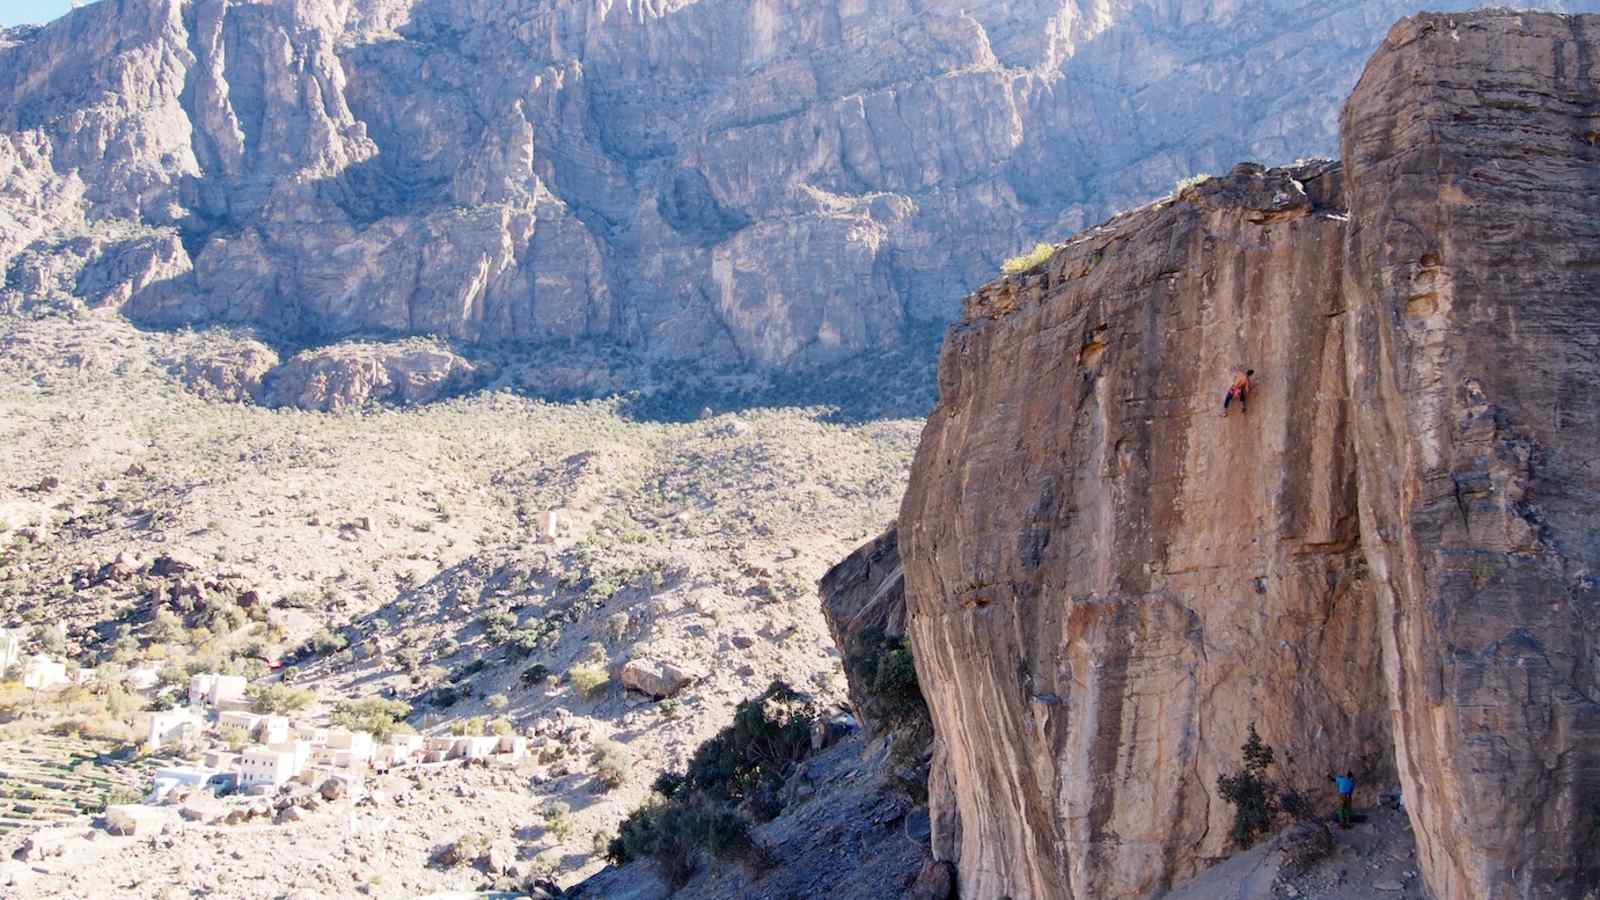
x=1384 y=565
x=777 y=183
x=1473 y=282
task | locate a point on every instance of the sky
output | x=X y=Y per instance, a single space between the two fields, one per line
x=19 y=12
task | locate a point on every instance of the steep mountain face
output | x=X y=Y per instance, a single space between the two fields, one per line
x=776 y=184
x=1385 y=564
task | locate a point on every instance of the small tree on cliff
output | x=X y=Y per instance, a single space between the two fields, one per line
x=1253 y=796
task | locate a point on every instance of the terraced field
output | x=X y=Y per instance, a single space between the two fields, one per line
x=46 y=778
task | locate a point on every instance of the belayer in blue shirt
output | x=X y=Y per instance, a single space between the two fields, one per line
x=1346 y=784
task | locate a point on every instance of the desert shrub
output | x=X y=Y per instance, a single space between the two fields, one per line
x=700 y=808
x=470 y=727
x=769 y=734
x=277 y=699
x=589 y=679
x=887 y=675
x=1252 y=795
x=501 y=726
x=497 y=702
x=612 y=763
x=674 y=834
x=323 y=642
x=498 y=624
x=166 y=627
x=617 y=625
x=374 y=714
x=1026 y=261
x=558 y=820
x=535 y=674
x=524 y=642
x=409 y=658
x=234 y=736
x=1186 y=183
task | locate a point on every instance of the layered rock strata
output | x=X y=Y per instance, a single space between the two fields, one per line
x=772 y=184
x=1383 y=564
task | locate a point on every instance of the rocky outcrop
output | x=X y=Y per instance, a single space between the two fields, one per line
x=656 y=678
x=864 y=601
x=1383 y=563
x=771 y=184
x=349 y=376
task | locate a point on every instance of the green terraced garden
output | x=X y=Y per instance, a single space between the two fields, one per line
x=44 y=778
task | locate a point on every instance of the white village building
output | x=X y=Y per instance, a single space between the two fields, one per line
x=211 y=689
x=41 y=673
x=174 y=726
x=173 y=776
x=261 y=765
x=10 y=651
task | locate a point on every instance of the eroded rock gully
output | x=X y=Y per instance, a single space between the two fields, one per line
x=1387 y=559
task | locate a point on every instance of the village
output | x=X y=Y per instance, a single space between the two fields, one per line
x=217 y=745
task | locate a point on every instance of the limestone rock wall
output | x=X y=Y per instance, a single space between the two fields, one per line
x=1108 y=580
x=1384 y=565
x=1473 y=280
x=778 y=183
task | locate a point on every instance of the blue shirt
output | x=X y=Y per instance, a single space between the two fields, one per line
x=1347 y=786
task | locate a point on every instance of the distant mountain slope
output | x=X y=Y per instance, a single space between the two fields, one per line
x=773 y=183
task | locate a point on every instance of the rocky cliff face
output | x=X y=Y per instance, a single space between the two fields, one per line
x=777 y=184
x=1385 y=565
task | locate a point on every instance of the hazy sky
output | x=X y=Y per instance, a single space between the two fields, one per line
x=18 y=12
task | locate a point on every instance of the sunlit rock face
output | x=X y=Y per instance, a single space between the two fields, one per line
x=1385 y=564
x=772 y=184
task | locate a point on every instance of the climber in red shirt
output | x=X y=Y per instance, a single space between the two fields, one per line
x=1242 y=386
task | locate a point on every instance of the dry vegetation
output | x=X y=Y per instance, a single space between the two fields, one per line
x=395 y=553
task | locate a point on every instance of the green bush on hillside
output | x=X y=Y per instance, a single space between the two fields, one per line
x=699 y=808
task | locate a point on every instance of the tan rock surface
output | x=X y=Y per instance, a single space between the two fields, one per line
x=1471 y=280
x=1108 y=581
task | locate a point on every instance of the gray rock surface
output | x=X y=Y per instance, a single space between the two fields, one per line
x=772 y=184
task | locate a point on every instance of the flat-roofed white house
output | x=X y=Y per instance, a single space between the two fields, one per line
x=10 y=651
x=260 y=765
x=211 y=689
x=513 y=745
x=477 y=747
x=174 y=776
x=401 y=748
x=316 y=734
x=358 y=743
x=221 y=760
x=175 y=726
x=272 y=730
x=41 y=673
x=244 y=721
x=300 y=751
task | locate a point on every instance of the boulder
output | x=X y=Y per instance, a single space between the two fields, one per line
x=499 y=859
x=656 y=678
x=334 y=789
x=177 y=562
x=132 y=819
x=350 y=376
x=936 y=881
x=40 y=845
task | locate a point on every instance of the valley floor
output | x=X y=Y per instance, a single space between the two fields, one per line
x=397 y=552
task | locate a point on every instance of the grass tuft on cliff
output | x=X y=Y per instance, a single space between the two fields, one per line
x=1026 y=261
